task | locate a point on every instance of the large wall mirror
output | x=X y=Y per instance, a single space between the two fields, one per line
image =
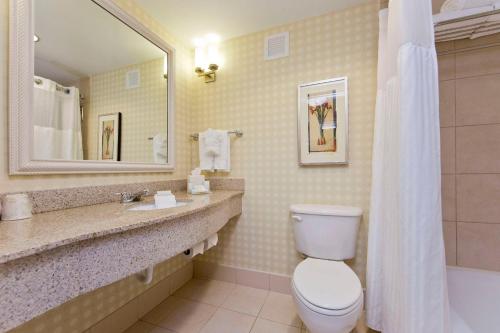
x=91 y=90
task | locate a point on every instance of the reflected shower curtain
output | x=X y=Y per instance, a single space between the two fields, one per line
x=406 y=273
x=57 y=132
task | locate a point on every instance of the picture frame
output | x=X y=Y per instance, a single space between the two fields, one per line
x=109 y=137
x=323 y=127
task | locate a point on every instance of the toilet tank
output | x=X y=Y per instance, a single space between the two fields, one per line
x=326 y=232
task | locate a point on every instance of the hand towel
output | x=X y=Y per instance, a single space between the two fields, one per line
x=214 y=150
x=160 y=148
x=223 y=161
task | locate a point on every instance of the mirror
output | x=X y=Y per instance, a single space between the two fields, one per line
x=100 y=90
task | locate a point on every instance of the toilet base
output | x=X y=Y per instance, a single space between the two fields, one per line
x=321 y=323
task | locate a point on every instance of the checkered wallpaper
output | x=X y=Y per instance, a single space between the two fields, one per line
x=260 y=98
x=143 y=109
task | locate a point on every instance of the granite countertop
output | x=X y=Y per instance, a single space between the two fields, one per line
x=50 y=230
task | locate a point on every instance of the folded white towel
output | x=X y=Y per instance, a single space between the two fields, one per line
x=453 y=5
x=214 y=150
x=160 y=148
x=223 y=161
x=447 y=27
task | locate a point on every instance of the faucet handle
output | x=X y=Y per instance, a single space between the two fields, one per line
x=129 y=197
x=124 y=196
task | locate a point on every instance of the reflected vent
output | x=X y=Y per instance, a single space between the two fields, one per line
x=276 y=46
x=133 y=79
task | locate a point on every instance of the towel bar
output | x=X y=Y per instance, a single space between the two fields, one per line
x=194 y=136
x=238 y=133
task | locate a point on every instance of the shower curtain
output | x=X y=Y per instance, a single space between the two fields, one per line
x=406 y=273
x=57 y=131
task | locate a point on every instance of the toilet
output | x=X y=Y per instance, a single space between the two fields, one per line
x=327 y=293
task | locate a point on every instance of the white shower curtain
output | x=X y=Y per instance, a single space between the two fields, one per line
x=57 y=132
x=406 y=273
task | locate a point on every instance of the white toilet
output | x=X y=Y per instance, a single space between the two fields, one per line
x=327 y=293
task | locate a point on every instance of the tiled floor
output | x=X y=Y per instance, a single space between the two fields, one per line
x=210 y=306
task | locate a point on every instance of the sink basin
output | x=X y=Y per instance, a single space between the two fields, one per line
x=151 y=206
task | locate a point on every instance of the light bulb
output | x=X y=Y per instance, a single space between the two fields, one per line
x=213 y=54
x=200 y=58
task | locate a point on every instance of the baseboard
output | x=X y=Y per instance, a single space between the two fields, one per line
x=247 y=277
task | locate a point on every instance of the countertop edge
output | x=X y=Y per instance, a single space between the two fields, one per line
x=5 y=259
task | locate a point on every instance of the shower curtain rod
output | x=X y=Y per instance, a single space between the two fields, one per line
x=59 y=88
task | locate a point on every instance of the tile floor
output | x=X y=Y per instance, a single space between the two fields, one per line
x=211 y=306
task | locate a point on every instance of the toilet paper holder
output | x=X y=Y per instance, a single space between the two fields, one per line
x=208 y=243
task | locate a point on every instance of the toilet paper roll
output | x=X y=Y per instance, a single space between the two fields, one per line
x=197 y=249
x=211 y=241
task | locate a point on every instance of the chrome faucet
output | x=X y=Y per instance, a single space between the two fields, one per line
x=130 y=197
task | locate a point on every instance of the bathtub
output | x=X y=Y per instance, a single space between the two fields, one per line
x=474 y=300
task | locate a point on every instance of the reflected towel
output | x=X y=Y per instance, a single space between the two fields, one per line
x=160 y=149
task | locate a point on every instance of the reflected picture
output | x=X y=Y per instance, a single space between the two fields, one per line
x=109 y=137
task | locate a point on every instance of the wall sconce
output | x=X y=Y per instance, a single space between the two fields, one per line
x=207 y=58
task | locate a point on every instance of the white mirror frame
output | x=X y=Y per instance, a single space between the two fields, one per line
x=21 y=71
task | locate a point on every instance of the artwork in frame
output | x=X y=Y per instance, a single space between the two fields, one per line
x=323 y=122
x=109 y=137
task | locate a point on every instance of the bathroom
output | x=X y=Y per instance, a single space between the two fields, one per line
x=228 y=257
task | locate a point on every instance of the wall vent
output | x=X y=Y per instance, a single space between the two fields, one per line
x=276 y=46
x=133 y=79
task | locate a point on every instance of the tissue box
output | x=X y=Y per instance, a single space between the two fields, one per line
x=165 y=200
x=196 y=179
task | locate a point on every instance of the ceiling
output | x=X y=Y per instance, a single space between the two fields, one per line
x=79 y=39
x=189 y=19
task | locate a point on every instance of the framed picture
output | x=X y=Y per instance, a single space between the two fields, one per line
x=323 y=122
x=109 y=137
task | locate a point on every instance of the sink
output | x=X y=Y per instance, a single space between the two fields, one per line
x=151 y=206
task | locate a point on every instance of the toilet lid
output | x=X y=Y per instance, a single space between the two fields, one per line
x=327 y=284
x=326 y=210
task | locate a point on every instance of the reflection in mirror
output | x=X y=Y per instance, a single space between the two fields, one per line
x=100 y=88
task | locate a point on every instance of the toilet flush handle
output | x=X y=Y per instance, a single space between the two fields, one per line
x=297 y=218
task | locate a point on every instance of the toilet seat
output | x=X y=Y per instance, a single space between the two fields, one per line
x=327 y=287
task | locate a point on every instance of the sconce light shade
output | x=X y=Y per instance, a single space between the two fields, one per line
x=207 y=58
x=213 y=54
x=199 y=57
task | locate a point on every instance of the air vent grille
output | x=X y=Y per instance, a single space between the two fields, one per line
x=276 y=46
x=133 y=79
